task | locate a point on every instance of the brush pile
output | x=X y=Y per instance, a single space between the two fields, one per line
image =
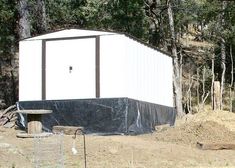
x=8 y=117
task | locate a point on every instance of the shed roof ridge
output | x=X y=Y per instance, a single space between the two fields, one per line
x=67 y=29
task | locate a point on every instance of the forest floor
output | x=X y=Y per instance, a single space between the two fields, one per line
x=167 y=147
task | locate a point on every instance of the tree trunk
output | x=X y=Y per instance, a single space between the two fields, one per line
x=203 y=87
x=223 y=58
x=204 y=94
x=177 y=78
x=24 y=22
x=216 y=93
x=198 y=95
x=212 y=80
x=231 y=83
x=41 y=16
x=223 y=66
x=189 y=94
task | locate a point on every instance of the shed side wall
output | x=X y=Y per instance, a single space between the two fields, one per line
x=130 y=69
x=149 y=74
x=30 y=69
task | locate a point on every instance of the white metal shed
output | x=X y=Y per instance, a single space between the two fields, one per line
x=79 y=64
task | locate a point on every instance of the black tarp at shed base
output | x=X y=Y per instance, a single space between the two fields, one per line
x=104 y=115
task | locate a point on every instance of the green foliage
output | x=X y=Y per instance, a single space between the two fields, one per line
x=7 y=28
x=127 y=16
x=65 y=13
x=118 y=15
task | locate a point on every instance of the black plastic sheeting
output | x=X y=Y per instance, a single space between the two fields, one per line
x=104 y=115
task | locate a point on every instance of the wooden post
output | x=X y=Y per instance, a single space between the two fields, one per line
x=34 y=124
x=215 y=146
x=216 y=96
x=67 y=130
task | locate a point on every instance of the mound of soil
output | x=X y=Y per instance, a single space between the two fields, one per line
x=224 y=118
x=203 y=127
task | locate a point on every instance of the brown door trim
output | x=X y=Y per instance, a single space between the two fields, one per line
x=97 y=66
x=97 y=62
x=43 y=69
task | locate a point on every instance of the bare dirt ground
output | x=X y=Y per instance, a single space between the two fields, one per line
x=167 y=147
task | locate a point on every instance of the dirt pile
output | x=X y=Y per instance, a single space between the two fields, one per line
x=221 y=117
x=204 y=127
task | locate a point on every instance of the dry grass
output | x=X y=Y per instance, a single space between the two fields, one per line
x=142 y=151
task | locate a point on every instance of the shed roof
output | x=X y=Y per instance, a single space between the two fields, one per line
x=70 y=33
x=67 y=33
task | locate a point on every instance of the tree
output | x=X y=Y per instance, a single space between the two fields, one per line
x=223 y=54
x=24 y=22
x=66 y=14
x=177 y=76
x=41 y=17
x=117 y=15
x=8 y=46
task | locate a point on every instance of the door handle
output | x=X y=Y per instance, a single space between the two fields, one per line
x=70 y=69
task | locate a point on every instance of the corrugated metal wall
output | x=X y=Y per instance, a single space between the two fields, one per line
x=130 y=69
x=149 y=74
x=30 y=68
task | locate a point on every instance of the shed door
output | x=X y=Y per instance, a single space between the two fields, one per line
x=70 y=69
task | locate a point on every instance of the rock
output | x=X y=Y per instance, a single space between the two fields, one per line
x=14 y=150
x=160 y=128
x=113 y=150
x=4 y=145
